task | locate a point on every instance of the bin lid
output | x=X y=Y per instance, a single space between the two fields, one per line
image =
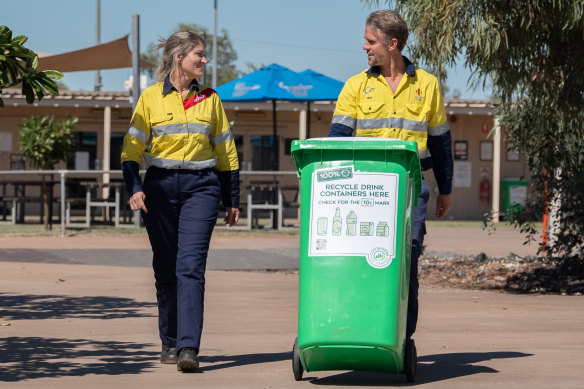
x=361 y=143
x=514 y=180
x=350 y=143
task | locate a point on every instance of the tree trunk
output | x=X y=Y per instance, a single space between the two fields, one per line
x=45 y=193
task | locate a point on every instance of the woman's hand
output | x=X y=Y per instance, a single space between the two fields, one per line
x=137 y=202
x=232 y=216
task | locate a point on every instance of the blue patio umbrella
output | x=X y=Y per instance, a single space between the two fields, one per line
x=275 y=82
x=335 y=84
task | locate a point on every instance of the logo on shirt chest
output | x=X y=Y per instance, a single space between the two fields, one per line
x=368 y=92
x=197 y=98
x=418 y=95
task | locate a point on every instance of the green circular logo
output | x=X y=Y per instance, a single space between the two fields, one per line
x=379 y=258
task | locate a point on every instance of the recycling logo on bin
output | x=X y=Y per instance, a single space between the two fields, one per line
x=353 y=213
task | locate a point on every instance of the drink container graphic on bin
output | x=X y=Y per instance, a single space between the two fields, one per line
x=337 y=222
x=351 y=224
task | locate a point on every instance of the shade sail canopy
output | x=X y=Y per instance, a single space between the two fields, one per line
x=111 y=55
x=276 y=82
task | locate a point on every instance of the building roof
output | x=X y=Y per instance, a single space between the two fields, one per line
x=69 y=98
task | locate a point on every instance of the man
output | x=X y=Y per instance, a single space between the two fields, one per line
x=393 y=99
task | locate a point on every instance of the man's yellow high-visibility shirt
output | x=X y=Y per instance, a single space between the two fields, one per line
x=367 y=107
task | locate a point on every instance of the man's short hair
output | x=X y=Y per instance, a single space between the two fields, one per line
x=391 y=25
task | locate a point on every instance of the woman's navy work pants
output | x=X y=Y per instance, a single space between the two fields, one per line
x=182 y=211
x=418 y=232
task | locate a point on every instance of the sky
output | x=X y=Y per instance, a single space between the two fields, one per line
x=322 y=35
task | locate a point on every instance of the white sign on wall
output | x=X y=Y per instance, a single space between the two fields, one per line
x=82 y=160
x=462 y=175
x=5 y=141
x=354 y=214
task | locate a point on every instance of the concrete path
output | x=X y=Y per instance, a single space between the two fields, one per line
x=241 y=251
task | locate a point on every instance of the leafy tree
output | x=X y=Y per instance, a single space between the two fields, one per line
x=62 y=86
x=44 y=142
x=226 y=55
x=18 y=67
x=529 y=50
x=251 y=67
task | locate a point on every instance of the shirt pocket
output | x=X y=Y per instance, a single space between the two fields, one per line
x=416 y=111
x=201 y=123
x=371 y=109
x=414 y=108
x=158 y=124
x=203 y=116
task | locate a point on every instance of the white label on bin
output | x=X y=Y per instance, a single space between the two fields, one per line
x=517 y=195
x=353 y=214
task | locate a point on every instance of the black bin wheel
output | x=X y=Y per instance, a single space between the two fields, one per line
x=296 y=365
x=410 y=360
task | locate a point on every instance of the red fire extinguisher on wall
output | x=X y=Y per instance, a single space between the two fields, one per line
x=485 y=190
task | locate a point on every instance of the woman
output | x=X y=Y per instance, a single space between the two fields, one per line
x=183 y=136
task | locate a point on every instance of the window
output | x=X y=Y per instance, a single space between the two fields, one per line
x=288 y=146
x=263 y=152
x=239 y=146
x=85 y=142
x=17 y=162
x=116 y=145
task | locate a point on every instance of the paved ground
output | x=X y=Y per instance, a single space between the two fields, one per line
x=84 y=324
x=242 y=251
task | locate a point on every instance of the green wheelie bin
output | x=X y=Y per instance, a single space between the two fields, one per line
x=513 y=196
x=356 y=205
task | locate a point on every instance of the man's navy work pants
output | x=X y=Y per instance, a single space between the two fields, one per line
x=182 y=211
x=418 y=232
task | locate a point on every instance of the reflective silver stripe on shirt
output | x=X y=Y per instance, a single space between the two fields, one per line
x=173 y=164
x=344 y=120
x=406 y=124
x=439 y=130
x=181 y=128
x=137 y=133
x=423 y=154
x=221 y=138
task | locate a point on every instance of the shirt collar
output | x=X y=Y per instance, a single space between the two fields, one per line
x=167 y=87
x=410 y=68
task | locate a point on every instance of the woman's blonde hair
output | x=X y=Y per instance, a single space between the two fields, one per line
x=179 y=43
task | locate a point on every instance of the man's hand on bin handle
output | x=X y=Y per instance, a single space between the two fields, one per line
x=442 y=205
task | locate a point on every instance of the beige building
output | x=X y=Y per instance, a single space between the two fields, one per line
x=475 y=148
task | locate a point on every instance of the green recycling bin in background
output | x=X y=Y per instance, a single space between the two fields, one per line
x=513 y=195
x=357 y=200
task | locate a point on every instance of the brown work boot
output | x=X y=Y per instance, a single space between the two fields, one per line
x=187 y=360
x=168 y=355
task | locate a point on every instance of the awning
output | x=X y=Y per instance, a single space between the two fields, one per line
x=111 y=55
